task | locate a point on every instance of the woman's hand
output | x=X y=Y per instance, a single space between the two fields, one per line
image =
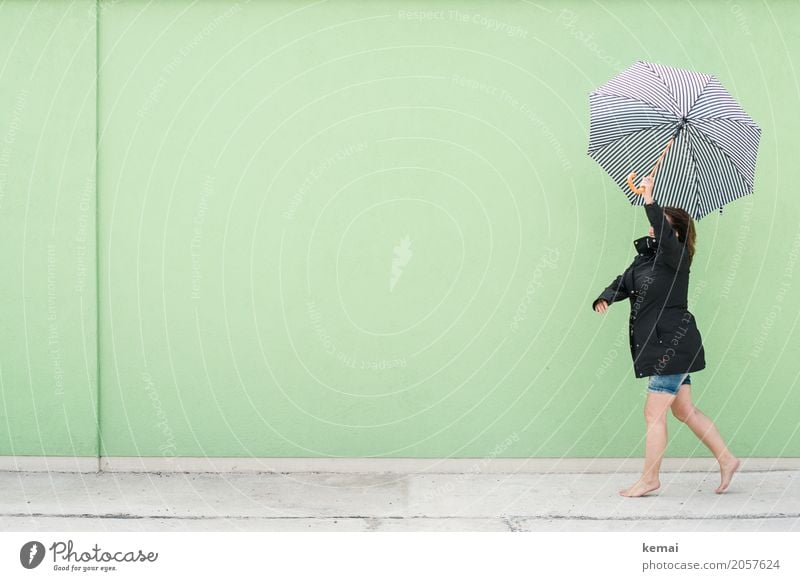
x=647 y=183
x=601 y=306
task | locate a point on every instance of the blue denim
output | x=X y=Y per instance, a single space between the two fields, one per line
x=667 y=383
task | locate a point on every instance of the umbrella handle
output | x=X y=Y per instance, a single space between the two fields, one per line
x=637 y=190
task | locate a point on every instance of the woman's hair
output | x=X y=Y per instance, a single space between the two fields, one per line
x=684 y=225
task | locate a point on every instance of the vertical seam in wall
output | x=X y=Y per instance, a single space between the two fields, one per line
x=97 y=218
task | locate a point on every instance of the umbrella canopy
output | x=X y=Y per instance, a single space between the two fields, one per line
x=681 y=123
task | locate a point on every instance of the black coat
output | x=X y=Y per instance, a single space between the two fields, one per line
x=664 y=338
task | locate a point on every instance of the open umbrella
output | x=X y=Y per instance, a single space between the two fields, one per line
x=682 y=123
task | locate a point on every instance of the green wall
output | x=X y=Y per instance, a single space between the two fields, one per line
x=48 y=317
x=348 y=228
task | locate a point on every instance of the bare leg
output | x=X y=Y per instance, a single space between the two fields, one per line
x=655 y=413
x=702 y=426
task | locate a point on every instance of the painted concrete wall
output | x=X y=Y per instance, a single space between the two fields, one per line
x=372 y=229
x=48 y=354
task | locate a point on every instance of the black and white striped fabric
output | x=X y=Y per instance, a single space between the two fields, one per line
x=713 y=158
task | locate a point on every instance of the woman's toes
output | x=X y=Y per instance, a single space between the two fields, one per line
x=727 y=471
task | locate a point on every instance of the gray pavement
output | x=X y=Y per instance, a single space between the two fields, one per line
x=324 y=501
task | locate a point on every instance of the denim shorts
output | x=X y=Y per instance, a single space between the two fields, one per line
x=667 y=383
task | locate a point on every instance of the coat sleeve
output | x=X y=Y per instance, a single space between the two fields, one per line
x=616 y=291
x=669 y=246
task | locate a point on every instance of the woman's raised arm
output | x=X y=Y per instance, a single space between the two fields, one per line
x=670 y=248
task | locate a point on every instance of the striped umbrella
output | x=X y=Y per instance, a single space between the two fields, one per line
x=652 y=117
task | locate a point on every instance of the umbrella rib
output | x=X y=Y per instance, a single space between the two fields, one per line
x=666 y=86
x=700 y=94
x=656 y=108
x=698 y=191
x=748 y=124
x=716 y=145
x=596 y=150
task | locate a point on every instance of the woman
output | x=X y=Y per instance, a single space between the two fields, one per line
x=664 y=340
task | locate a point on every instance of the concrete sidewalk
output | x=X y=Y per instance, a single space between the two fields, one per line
x=323 y=501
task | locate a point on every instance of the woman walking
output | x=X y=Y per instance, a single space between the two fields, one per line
x=664 y=340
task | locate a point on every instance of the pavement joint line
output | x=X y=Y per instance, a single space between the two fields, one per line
x=663 y=517
x=370 y=472
x=510 y=520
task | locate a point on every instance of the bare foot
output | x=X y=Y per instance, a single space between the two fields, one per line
x=641 y=488
x=726 y=470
